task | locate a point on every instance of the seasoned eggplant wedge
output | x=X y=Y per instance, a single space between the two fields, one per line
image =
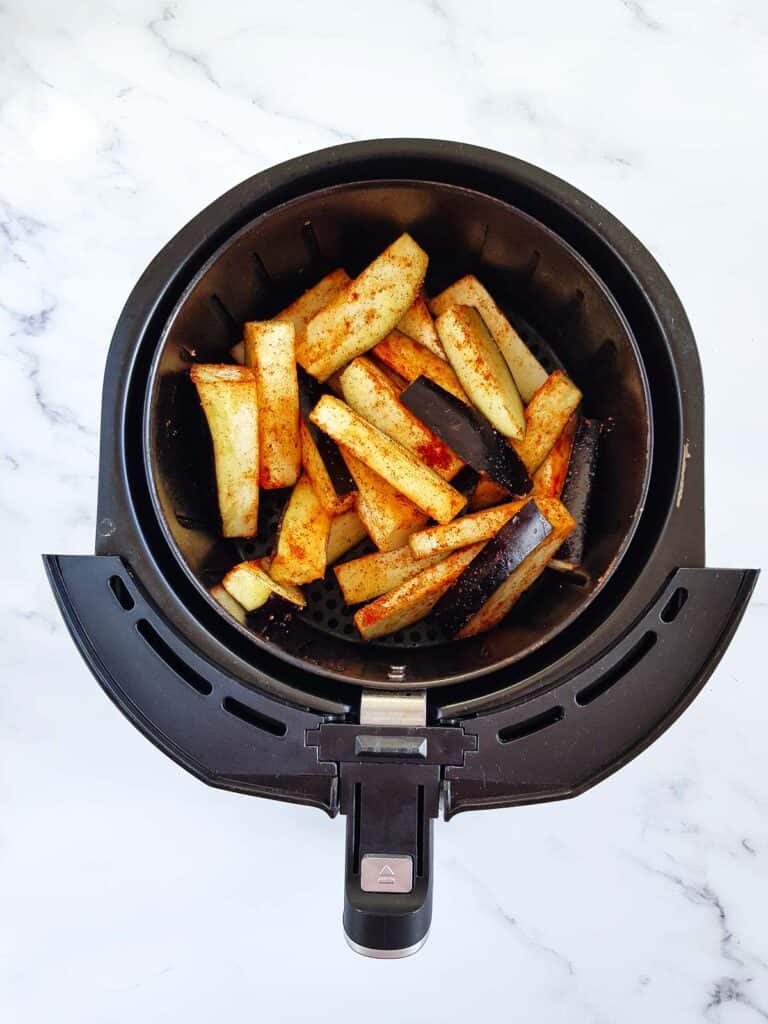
x=365 y=310
x=302 y=542
x=228 y=603
x=364 y=578
x=269 y=353
x=419 y=325
x=522 y=574
x=399 y=467
x=229 y=400
x=549 y=478
x=466 y=481
x=414 y=599
x=546 y=416
x=320 y=456
x=469 y=529
x=488 y=493
x=528 y=372
x=577 y=493
x=304 y=308
x=481 y=369
x=410 y=360
x=347 y=530
x=468 y=434
x=367 y=390
x=250 y=584
x=388 y=516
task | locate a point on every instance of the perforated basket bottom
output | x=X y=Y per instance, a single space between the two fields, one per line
x=326 y=609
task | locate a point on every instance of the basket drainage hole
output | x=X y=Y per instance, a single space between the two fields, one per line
x=122 y=595
x=317 y=616
x=674 y=605
x=331 y=603
x=333 y=623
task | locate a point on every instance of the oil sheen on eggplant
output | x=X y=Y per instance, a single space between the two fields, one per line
x=468 y=433
x=577 y=489
x=485 y=574
x=310 y=393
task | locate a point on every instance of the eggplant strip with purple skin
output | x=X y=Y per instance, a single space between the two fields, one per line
x=320 y=456
x=468 y=434
x=527 y=572
x=577 y=493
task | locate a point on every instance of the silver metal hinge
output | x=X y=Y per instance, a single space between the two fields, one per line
x=378 y=707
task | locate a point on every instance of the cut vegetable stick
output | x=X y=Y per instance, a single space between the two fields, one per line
x=502 y=600
x=364 y=578
x=468 y=433
x=302 y=543
x=488 y=493
x=419 y=325
x=399 y=467
x=528 y=372
x=413 y=599
x=269 y=353
x=308 y=305
x=410 y=360
x=365 y=310
x=347 y=530
x=388 y=516
x=577 y=493
x=228 y=603
x=368 y=391
x=228 y=397
x=546 y=416
x=397 y=382
x=481 y=369
x=301 y=311
x=250 y=585
x=549 y=478
x=317 y=459
x=469 y=529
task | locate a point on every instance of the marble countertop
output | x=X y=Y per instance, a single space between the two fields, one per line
x=130 y=892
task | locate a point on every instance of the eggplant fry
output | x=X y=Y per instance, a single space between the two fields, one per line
x=250 y=585
x=347 y=530
x=419 y=325
x=302 y=541
x=546 y=416
x=528 y=372
x=398 y=466
x=481 y=369
x=498 y=605
x=549 y=478
x=388 y=516
x=301 y=311
x=367 y=390
x=365 y=310
x=410 y=360
x=228 y=397
x=269 y=353
x=413 y=599
x=366 y=577
x=469 y=529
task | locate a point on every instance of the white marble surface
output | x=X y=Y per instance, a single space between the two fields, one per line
x=130 y=892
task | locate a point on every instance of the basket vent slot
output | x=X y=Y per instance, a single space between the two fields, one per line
x=121 y=592
x=153 y=639
x=633 y=657
x=531 y=725
x=674 y=605
x=252 y=717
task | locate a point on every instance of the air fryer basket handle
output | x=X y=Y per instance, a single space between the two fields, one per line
x=388 y=880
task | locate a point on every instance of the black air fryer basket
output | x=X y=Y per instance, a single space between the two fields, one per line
x=588 y=669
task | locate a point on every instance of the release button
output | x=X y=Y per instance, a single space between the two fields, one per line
x=379 y=873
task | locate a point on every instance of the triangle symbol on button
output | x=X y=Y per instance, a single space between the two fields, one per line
x=386 y=870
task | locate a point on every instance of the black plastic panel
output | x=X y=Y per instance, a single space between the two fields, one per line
x=560 y=743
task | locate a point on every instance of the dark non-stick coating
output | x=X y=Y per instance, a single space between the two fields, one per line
x=556 y=301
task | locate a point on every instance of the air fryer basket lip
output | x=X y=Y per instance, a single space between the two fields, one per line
x=147 y=434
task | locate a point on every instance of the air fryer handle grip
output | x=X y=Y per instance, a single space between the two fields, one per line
x=388 y=883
